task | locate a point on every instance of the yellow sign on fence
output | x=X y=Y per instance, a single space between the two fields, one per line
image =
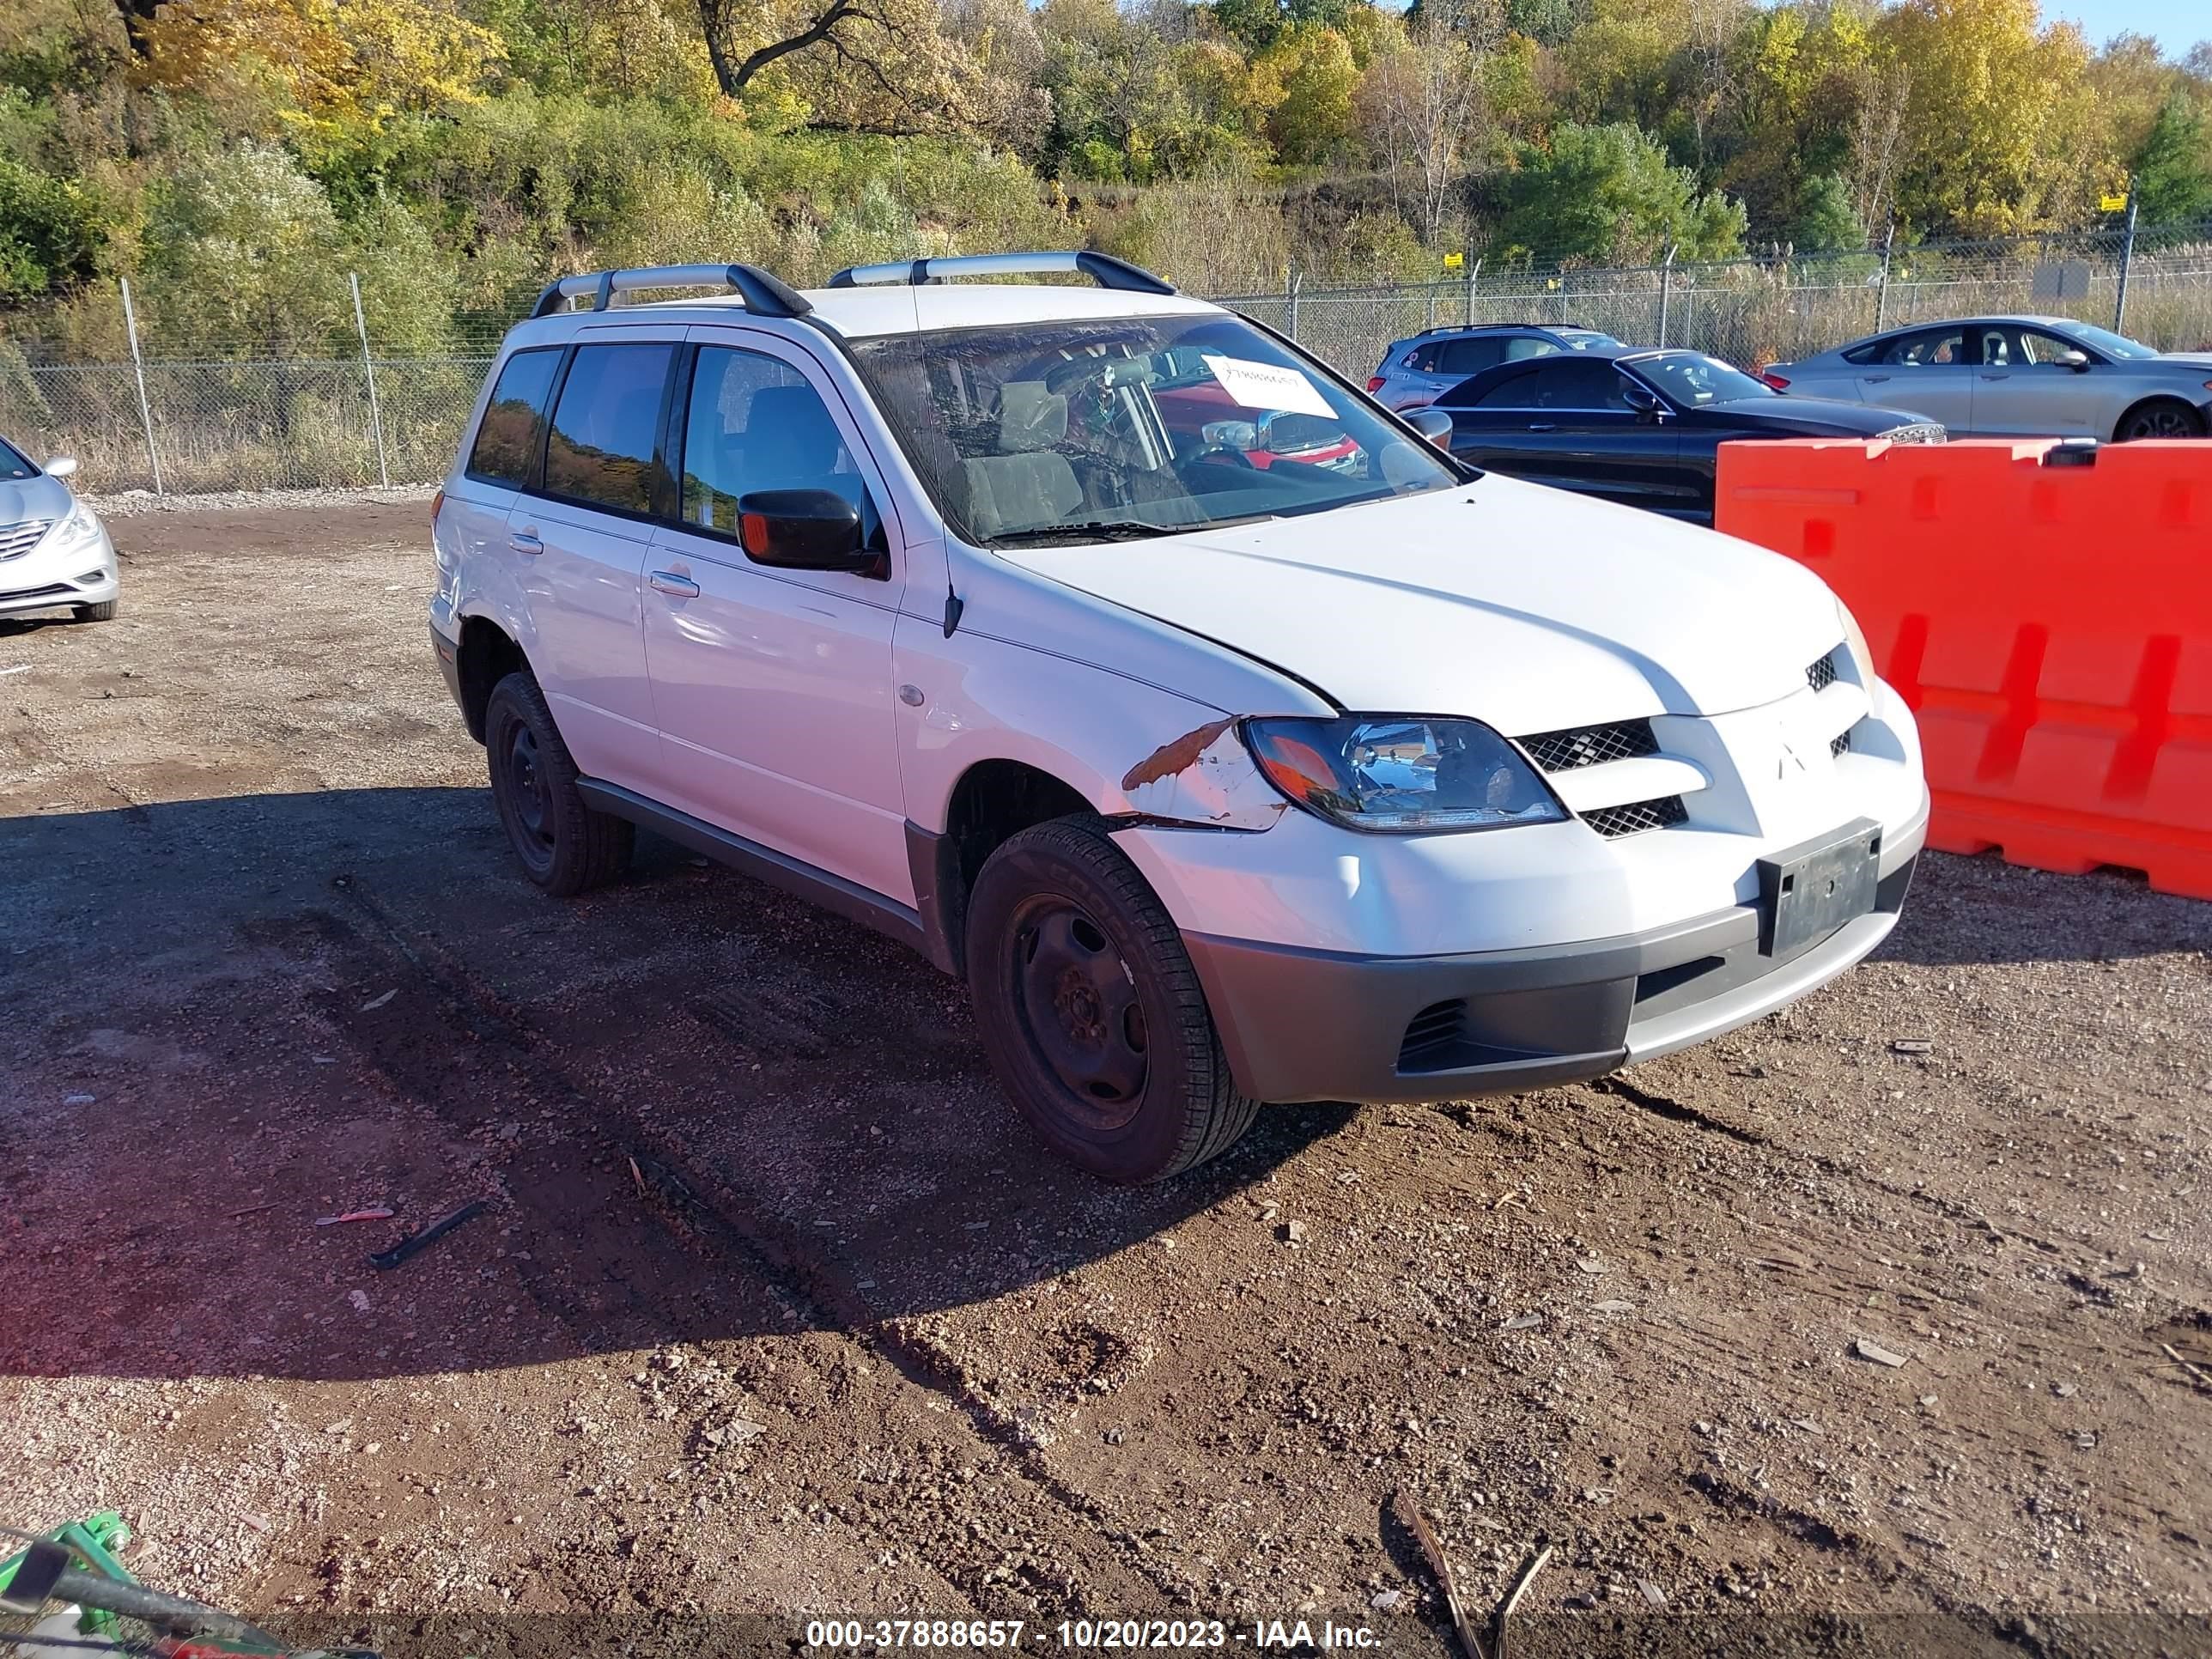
x=1454 y=261
x=2111 y=203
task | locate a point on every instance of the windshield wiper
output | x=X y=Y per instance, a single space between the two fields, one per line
x=1103 y=530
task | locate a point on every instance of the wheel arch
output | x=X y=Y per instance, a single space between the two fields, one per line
x=2196 y=412
x=992 y=800
x=487 y=654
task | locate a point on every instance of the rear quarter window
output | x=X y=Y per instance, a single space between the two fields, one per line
x=506 y=449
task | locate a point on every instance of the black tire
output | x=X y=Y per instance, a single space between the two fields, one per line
x=564 y=846
x=2158 y=417
x=1090 y=1011
x=104 y=611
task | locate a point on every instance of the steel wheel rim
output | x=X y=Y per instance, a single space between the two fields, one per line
x=528 y=788
x=1076 y=1000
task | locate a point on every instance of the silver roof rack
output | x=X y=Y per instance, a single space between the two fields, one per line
x=1102 y=269
x=762 y=293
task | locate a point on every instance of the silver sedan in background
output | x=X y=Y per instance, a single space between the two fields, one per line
x=2016 y=376
x=54 y=551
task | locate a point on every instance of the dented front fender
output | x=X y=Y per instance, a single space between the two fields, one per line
x=1206 y=776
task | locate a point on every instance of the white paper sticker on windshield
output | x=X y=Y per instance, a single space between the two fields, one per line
x=1265 y=386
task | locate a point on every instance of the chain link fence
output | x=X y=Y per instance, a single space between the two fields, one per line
x=237 y=416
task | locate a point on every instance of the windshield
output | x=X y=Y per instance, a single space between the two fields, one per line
x=12 y=463
x=2109 y=344
x=1090 y=431
x=1690 y=381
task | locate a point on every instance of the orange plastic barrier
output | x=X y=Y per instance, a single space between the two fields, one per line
x=2049 y=620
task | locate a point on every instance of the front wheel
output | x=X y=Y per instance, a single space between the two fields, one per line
x=104 y=611
x=1090 y=1011
x=565 y=847
x=2161 y=417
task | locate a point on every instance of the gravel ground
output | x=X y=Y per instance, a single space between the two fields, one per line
x=775 y=1313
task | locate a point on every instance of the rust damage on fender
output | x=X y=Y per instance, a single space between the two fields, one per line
x=1203 y=777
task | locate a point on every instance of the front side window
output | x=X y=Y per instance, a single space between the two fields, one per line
x=753 y=422
x=1062 y=431
x=2042 y=350
x=600 y=450
x=1529 y=345
x=1689 y=380
x=506 y=449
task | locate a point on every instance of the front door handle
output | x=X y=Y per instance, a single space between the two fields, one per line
x=1874 y=379
x=525 y=541
x=1543 y=425
x=676 y=587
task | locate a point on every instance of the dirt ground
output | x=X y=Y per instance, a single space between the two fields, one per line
x=776 y=1312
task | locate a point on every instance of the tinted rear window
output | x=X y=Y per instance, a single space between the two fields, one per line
x=507 y=443
x=601 y=449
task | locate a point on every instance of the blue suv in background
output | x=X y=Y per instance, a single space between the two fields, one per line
x=1415 y=371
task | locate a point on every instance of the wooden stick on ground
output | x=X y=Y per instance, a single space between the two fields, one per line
x=1513 y=1600
x=1410 y=1516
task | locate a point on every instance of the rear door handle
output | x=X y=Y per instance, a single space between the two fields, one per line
x=525 y=541
x=1543 y=425
x=676 y=587
x=1874 y=379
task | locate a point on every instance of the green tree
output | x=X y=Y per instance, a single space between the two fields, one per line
x=2173 y=169
x=1826 y=221
x=1608 y=194
x=1308 y=78
x=51 y=232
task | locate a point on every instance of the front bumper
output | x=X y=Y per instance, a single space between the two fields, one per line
x=1309 y=1024
x=54 y=574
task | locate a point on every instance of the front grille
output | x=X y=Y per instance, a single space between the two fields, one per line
x=1591 y=745
x=9 y=595
x=17 y=539
x=1840 y=745
x=1822 y=674
x=1637 y=817
x=1430 y=1035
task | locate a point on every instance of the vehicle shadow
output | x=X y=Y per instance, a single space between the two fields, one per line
x=693 y=1108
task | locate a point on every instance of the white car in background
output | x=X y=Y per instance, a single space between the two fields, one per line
x=2007 y=377
x=54 y=551
x=1220 y=779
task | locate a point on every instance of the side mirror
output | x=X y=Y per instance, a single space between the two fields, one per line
x=1642 y=399
x=805 y=530
x=2076 y=360
x=1434 y=425
x=61 y=466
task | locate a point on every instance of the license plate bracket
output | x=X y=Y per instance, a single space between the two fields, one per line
x=1808 y=891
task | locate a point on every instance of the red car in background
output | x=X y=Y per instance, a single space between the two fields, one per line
x=1199 y=410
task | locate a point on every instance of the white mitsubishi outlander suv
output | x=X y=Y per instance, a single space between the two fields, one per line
x=1232 y=741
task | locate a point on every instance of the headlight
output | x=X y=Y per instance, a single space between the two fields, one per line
x=82 y=526
x=1854 y=638
x=1402 y=772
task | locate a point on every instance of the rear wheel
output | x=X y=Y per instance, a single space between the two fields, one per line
x=104 y=611
x=565 y=847
x=2160 y=418
x=1090 y=1011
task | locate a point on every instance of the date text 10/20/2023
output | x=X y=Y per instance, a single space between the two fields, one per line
x=1089 y=1634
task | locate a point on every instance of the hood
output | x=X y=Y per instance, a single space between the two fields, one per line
x=33 y=498
x=2186 y=359
x=1526 y=607
x=1823 y=416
